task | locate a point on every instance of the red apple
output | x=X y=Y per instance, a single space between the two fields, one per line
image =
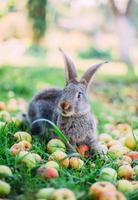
x=50 y=173
x=133 y=155
x=83 y=149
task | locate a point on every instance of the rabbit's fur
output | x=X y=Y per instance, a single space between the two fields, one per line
x=68 y=108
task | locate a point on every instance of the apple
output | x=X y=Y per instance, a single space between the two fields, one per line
x=126 y=172
x=100 y=187
x=45 y=193
x=21 y=146
x=112 y=143
x=27 y=158
x=136 y=170
x=22 y=135
x=37 y=157
x=124 y=160
x=50 y=173
x=2 y=105
x=133 y=155
x=83 y=149
x=54 y=145
x=131 y=141
x=5 y=170
x=125 y=186
x=4 y=188
x=76 y=163
x=52 y=164
x=108 y=174
x=63 y=194
x=124 y=129
x=117 y=151
x=5 y=116
x=104 y=137
x=61 y=157
x=112 y=196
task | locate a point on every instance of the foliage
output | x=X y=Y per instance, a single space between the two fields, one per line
x=37 y=15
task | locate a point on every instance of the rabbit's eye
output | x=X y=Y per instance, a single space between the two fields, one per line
x=79 y=94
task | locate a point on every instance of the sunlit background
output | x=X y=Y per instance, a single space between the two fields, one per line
x=32 y=31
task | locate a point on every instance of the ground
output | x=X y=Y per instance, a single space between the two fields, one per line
x=113 y=100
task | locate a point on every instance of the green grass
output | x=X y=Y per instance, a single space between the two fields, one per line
x=108 y=107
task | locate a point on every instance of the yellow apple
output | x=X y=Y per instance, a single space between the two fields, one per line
x=76 y=163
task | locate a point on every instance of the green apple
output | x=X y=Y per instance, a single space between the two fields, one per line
x=45 y=193
x=108 y=174
x=5 y=170
x=4 y=188
x=22 y=135
x=125 y=186
x=5 y=116
x=136 y=170
x=54 y=145
x=117 y=151
x=63 y=194
x=131 y=141
x=27 y=158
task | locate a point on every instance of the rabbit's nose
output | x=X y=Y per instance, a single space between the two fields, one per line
x=66 y=106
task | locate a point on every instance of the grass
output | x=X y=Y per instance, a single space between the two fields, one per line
x=108 y=104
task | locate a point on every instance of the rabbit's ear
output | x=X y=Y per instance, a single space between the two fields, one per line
x=85 y=79
x=70 y=70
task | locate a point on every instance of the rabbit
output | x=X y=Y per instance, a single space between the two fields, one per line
x=68 y=108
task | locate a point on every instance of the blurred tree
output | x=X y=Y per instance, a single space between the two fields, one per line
x=37 y=14
x=125 y=30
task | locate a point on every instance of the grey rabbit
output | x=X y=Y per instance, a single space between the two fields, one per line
x=68 y=108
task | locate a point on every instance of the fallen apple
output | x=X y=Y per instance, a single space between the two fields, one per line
x=84 y=150
x=45 y=193
x=100 y=187
x=76 y=163
x=27 y=158
x=63 y=194
x=112 y=196
x=50 y=173
x=126 y=172
x=115 y=134
x=133 y=155
x=21 y=146
x=125 y=186
x=4 y=188
x=61 y=157
x=54 y=145
x=117 y=151
x=124 y=128
x=5 y=116
x=136 y=170
x=5 y=171
x=104 y=137
x=124 y=160
x=22 y=135
x=52 y=164
x=131 y=141
x=108 y=174
x=2 y=105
